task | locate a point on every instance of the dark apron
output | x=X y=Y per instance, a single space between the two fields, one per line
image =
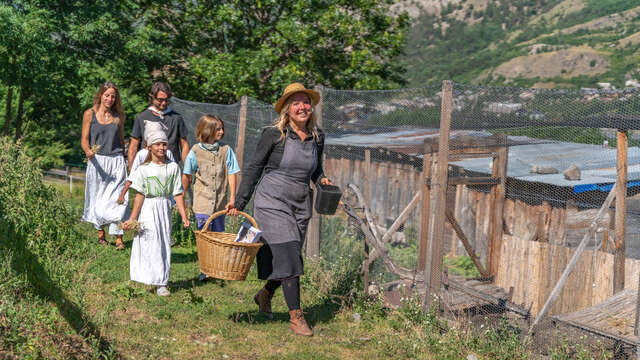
x=283 y=207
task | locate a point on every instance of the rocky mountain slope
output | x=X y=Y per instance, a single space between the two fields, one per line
x=546 y=43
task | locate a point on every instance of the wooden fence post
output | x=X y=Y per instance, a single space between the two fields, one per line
x=367 y=197
x=313 y=232
x=498 y=193
x=433 y=266
x=240 y=136
x=68 y=171
x=621 y=212
x=426 y=205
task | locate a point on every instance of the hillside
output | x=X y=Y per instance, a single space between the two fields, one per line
x=562 y=43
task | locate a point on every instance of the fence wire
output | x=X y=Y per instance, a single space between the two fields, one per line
x=561 y=163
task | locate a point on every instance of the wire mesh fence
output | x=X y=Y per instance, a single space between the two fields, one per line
x=528 y=170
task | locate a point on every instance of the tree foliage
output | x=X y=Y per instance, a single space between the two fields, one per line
x=220 y=50
x=55 y=54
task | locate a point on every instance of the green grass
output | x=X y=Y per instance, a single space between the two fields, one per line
x=64 y=296
x=214 y=319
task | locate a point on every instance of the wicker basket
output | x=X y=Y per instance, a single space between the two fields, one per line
x=220 y=257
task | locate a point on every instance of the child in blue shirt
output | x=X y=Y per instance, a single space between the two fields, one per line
x=213 y=169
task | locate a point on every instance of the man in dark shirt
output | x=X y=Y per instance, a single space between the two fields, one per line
x=173 y=122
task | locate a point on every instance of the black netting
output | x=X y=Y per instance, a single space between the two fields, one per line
x=554 y=148
x=476 y=107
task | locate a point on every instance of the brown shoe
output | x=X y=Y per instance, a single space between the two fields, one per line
x=263 y=299
x=298 y=325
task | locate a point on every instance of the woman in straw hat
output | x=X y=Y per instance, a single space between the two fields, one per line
x=287 y=158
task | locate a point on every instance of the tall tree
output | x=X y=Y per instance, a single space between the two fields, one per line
x=56 y=53
x=223 y=49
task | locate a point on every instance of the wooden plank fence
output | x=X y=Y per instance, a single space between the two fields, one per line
x=532 y=268
x=392 y=185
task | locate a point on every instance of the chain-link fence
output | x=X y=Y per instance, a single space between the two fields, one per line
x=528 y=171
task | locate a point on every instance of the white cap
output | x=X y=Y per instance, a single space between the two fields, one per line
x=154 y=132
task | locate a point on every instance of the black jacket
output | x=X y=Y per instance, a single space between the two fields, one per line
x=267 y=157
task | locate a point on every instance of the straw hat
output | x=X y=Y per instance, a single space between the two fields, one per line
x=294 y=88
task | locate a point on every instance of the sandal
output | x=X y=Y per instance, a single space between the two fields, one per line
x=120 y=245
x=102 y=241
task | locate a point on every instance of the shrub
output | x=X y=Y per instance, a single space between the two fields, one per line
x=36 y=222
x=38 y=242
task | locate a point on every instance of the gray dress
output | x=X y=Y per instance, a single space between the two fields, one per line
x=283 y=207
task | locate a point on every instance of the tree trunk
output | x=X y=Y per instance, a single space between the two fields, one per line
x=19 y=115
x=7 y=116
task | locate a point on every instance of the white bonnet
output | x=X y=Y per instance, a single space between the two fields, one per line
x=154 y=132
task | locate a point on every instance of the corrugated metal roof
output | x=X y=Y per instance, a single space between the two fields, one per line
x=596 y=163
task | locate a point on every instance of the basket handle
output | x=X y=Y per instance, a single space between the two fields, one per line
x=222 y=212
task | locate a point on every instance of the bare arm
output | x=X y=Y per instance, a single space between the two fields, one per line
x=125 y=188
x=231 y=207
x=184 y=149
x=180 y=203
x=233 y=185
x=133 y=150
x=186 y=182
x=137 y=205
x=121 y=131
x=86 y=127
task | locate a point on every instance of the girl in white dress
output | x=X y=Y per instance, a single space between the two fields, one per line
x=155 y=181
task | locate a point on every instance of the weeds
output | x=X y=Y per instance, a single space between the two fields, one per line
x=564 y=350
x=126 y=291
x=190 y=297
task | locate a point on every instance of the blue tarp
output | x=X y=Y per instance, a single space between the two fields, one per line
x=604 y=187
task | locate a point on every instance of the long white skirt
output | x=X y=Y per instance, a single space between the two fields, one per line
x=105 y=178
x=151 y=250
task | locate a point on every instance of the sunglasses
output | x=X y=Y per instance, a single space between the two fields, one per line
x=162 y=100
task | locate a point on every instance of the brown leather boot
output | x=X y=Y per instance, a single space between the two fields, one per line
x=298 y=325
x=263 y=299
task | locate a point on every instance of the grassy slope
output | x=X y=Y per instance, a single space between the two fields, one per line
x=216 y=321
x=208 y=320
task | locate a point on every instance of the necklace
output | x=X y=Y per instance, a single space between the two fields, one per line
x=106 y=117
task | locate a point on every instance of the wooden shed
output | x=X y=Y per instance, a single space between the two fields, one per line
x=544 y=216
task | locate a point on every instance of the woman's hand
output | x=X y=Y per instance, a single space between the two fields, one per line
x=231 y=209
x=89 y=154
x=325 y=181
x=185 y=222
x=127 y=224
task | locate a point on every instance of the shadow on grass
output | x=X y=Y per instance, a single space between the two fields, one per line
x=26 y=262
x=318 y=313
x=185 y=284
x=180 y=258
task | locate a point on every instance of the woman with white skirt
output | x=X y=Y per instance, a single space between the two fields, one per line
x=155 y=181
x=103 y=144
